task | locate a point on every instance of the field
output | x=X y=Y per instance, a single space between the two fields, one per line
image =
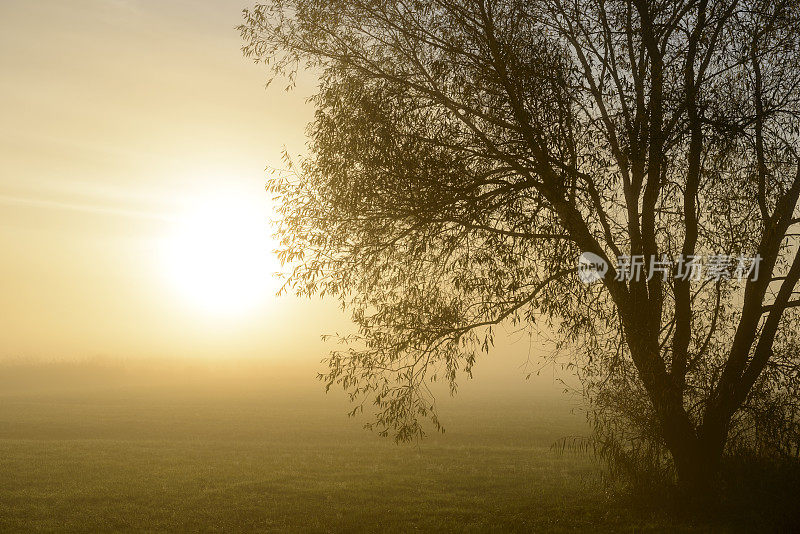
x=202 y=456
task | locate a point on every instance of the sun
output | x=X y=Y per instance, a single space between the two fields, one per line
x=219 y=252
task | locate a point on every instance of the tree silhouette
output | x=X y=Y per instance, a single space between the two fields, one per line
x=464 y=153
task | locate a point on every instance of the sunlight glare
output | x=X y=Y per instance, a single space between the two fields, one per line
x=219 y=253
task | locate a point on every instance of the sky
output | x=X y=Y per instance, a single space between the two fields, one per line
x=119 y=118
x=134 y=141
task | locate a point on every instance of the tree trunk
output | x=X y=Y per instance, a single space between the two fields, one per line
x=698 y=470
x=697 y=462
x=696 y=449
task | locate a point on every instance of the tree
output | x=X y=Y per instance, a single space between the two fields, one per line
x=464 y=153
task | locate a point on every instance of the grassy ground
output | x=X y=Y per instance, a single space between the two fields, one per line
x=156 y=459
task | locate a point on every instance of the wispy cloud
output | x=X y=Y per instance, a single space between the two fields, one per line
x=82 y=207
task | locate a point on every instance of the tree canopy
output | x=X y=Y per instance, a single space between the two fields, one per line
x=465 y=153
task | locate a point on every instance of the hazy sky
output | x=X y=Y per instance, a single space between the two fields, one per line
x=132 y=134
x=118 y=117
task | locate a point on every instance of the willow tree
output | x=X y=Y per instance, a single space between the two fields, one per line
x=465 y=153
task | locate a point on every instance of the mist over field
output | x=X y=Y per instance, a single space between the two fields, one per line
x=176 y=445
x=266 y=390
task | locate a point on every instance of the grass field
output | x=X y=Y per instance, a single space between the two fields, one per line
x=196 y=458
